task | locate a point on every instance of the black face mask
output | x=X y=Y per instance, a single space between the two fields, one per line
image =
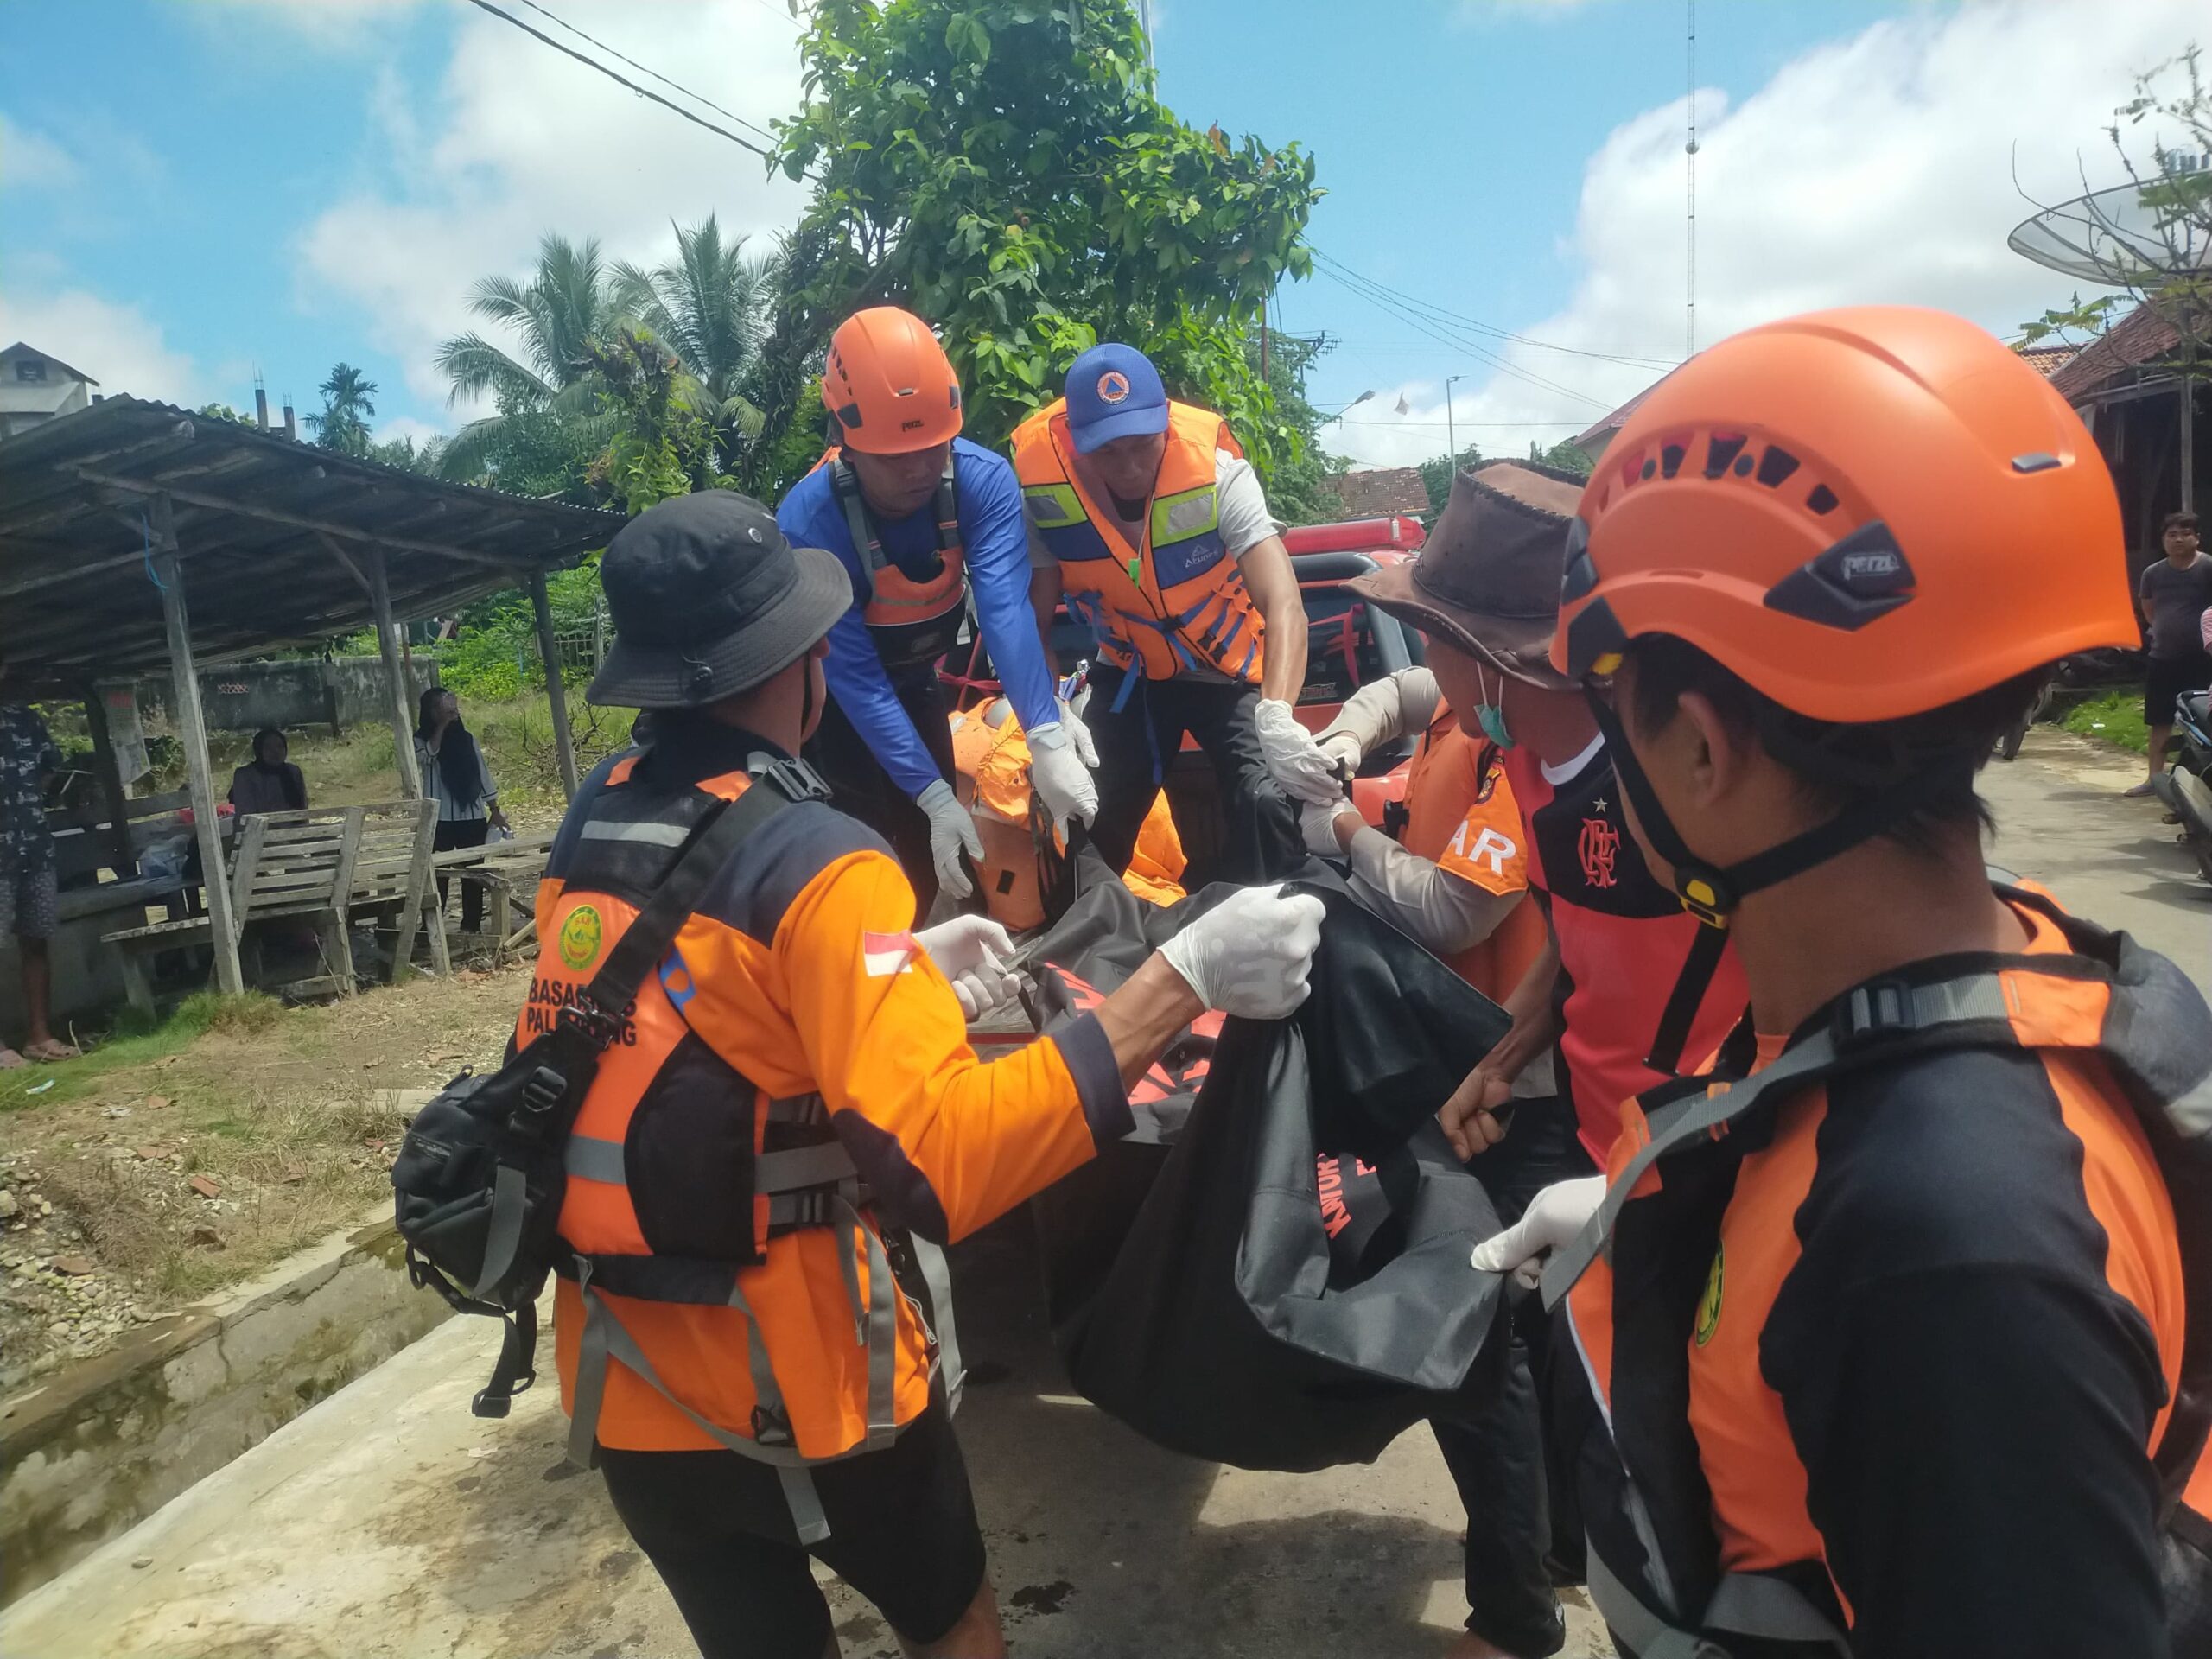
x=1128 y=508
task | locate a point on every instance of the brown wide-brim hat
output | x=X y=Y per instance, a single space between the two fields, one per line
x=1488 y=577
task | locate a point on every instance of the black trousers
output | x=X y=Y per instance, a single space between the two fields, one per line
x=462 y=832
x=1260 y=839
x=716 y=1528
x=862 y=787
x=1523 y=1529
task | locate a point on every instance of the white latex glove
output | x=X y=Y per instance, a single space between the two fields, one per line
x=1250 y=955
x=1553 y=1217
x=951 y=832
x=1342 y=750
x=1058 y=773
x=972 y=952
x=1295 y=759
x=1078 y=734
x=1319 y=824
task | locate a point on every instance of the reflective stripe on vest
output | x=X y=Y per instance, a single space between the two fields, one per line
x=911 y=619
x=1175 y=605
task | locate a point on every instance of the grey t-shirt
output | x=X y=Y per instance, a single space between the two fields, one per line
x=2175 y=598
x=1245 y=520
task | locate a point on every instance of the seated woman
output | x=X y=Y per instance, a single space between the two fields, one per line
x=269 y=783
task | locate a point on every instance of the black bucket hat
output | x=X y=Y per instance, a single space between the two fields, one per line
x=708 y=599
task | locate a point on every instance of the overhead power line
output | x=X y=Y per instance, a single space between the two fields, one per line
x=1634 y=359
x=1458 y=343
x=1470 y=425
x=621 y=79
x=647 y=69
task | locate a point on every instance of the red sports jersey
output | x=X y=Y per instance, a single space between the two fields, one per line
x=1624 y=940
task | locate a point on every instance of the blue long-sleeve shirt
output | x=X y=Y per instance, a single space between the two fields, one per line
x=994 y=532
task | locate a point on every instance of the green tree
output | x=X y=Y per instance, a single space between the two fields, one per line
x=662 y=446
x=1004 y=167
x=569 y=304
x=709 y=308
x=1437 y=473
x=1562 y=456
x=348 y=402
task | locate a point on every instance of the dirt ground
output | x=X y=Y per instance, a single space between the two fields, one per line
x=160 y=1168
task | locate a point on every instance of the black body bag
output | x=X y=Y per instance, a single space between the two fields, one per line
x=1273 y=1274
x=479 y=1182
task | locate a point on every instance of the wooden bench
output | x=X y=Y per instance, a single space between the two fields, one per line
x=510 y=871
x=323 y=864
x=391 y=883
x=282 y=864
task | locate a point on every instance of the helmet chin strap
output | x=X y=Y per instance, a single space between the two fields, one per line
x=1709 y=892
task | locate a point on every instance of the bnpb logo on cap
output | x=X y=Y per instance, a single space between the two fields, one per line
x=1113 y=386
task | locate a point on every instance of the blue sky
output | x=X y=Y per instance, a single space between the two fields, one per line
x=190 y=192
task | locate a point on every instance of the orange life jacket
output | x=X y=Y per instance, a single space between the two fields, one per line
x=990 y=758
x=1176 y=603
x=911 y=619
x=1461 y=816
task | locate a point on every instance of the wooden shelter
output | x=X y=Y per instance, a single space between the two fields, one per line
x=136 y=535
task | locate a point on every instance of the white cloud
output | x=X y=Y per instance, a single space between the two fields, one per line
x=518 y=140
x=1878 y=169
x=117 y=345
x=30 y=160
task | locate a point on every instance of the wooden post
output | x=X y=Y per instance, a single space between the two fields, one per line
x=111 y=779
x=192 y=733
x=402 y=721
x=556 y=695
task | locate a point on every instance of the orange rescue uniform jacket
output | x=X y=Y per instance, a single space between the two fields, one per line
x=1905 y=1343
x=1462 y=815
x=796 y=981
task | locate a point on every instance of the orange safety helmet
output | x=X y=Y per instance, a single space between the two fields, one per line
x=1864 y=514
x=890 y=384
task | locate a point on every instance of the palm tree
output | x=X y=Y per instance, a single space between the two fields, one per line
x=343 y=425
x=568 y=303
x=709 y=308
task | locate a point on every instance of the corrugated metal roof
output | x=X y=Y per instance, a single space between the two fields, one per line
x=256 y=518
x=2141 y=337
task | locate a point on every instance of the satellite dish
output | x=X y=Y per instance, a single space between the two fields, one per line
x=2115 y=236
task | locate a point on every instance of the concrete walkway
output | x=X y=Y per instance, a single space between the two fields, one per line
x=387 y=1521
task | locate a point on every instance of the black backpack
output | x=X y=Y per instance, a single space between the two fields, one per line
x=479 y=1181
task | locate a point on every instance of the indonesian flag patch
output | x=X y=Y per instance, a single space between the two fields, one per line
x=885 y=954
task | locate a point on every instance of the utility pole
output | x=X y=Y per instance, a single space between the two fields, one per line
x=1451 y=426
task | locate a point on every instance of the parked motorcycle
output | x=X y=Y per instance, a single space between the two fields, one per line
x=2187 y=788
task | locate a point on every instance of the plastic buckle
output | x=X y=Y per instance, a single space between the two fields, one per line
x=591 y=1022
x=769 y=1429
x=795 y=778
x=543 y=1090
x=1705 y=893
x=1880 y=1008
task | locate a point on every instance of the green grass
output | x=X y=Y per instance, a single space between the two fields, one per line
x=2115 y=718
x=357 y=766
x=133 y=1041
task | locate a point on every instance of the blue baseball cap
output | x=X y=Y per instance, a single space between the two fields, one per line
x=1113 y=393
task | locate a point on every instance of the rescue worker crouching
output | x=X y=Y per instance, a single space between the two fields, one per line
x=1148 y=520
x=1893 y=1328
x=792 y=1121
x=920 y=517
